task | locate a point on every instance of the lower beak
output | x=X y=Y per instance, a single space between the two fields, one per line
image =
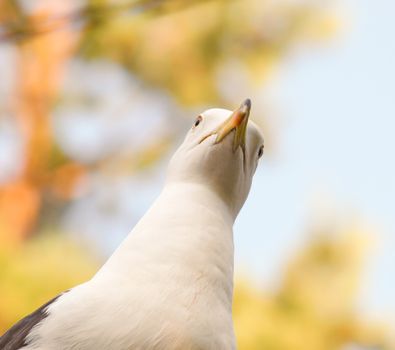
x=238 y=122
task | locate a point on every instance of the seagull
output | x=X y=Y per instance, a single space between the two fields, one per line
x=169 y=285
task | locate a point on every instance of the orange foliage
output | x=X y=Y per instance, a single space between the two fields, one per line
x=19 y=205
x=64 y=179
x=41 y=62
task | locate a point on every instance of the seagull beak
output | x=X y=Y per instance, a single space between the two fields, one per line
x=238 y=122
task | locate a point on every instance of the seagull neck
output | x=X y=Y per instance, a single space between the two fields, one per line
x=195 y=195
x=184 y=242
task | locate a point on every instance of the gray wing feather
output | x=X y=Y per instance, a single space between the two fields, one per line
x=15 y=338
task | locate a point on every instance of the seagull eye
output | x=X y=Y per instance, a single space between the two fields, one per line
x=197 y=121
x=260 y=151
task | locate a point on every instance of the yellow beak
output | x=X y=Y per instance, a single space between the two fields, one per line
x=238 y=122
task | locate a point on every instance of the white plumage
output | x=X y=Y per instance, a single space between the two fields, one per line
x=170 y=283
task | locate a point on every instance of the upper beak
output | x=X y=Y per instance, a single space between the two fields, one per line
x=238 y=122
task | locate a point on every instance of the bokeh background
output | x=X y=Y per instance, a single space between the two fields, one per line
x=96 y=94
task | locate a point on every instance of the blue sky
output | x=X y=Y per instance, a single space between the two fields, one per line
x=335 y=151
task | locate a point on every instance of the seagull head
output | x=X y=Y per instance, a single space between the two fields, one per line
x=221 y=151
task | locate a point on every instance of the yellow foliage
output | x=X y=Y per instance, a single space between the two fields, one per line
x=314 y=307
x=35 y=272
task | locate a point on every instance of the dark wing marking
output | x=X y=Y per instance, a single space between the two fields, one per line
x=15 y=337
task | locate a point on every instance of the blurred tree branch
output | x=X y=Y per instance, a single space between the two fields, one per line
x=40 y=63
x=16 y=25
